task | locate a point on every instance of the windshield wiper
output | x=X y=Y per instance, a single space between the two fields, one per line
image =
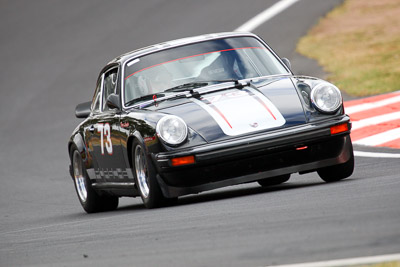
x=218 y=86
x=156 y=98
x=187 y=86
x=151 y=99
x=143 y=98
x=198 y=84
x=221 y=81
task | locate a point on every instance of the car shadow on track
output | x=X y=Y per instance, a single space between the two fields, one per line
x=233 y=192
x=242 y=192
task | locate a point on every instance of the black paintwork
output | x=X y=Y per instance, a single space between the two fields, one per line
x=221 y=160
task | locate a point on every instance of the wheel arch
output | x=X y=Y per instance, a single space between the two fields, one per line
x=77 y=142
x=131 y=139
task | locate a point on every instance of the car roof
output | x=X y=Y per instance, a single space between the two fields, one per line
x=174 y=43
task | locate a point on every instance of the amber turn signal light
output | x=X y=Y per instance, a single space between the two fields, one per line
x=344 y=127
x=182 y=161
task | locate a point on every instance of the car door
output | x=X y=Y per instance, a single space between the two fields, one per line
x=104 y=126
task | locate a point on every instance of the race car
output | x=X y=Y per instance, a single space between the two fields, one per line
x=201 y=113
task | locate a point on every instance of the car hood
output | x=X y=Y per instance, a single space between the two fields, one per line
x=265 y=105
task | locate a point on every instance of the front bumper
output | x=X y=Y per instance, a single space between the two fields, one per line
x=298 y=149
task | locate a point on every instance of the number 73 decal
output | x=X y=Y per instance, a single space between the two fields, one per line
x=105 y=137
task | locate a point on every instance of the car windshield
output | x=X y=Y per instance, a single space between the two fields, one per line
x=199 y=63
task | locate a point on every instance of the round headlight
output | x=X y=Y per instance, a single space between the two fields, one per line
x=326 y=98
x=172 y=130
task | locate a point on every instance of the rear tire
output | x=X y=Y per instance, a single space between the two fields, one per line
x=337 y=172
x=91 y=202
x=274 y=180
x=145 y=178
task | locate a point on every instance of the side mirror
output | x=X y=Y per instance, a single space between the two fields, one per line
x=287 y=63
x=83 y=110
x=113 y=102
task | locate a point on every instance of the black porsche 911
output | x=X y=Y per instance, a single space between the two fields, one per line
x=201 y=113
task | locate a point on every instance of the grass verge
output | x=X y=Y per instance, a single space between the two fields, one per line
x=358 y=44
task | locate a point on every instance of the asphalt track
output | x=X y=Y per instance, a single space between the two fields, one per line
x=51 y=52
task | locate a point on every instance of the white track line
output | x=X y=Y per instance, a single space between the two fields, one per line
x=375 y=120
x=377 y=104
x=265 y=15
x=376 y=155
x=347 y=262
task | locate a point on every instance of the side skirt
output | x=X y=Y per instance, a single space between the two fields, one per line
x=116 y=189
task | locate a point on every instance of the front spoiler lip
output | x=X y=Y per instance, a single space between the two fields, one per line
x=173 y=191
x=270 y=141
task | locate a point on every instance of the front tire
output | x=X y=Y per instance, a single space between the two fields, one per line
x=91 y=202
x=337 y=172
x=145 y=178
x=274 y=180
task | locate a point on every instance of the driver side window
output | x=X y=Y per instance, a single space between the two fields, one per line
x=109 y=85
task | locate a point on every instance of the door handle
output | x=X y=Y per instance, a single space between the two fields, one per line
x=91 y=129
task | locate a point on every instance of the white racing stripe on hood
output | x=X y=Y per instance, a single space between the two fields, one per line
x=241 y=111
